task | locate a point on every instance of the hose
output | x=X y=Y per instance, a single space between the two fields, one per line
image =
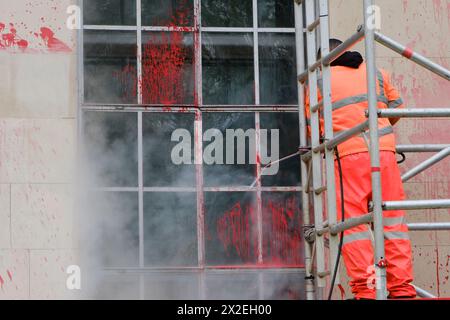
x=341 y=241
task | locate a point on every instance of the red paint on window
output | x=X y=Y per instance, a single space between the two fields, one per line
x=282 y=240
x=164 y=58
x=234 y=230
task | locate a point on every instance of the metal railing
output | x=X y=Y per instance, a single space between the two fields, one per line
x=317 y=17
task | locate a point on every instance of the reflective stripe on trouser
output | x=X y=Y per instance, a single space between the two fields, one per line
x=357 y=250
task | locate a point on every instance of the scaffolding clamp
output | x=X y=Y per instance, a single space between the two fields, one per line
x=382 y=263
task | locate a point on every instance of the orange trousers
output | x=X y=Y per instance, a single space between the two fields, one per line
x=357 y=250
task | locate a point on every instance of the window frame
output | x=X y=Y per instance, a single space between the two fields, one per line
x=198 y=108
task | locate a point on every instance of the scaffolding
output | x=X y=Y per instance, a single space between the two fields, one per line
x=312 y=18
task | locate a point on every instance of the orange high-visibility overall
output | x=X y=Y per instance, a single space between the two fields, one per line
x=349 y=99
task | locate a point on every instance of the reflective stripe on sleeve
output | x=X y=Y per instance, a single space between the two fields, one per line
x=392 y=221
x=365 y=235
x=393 y=235
x=395 y=103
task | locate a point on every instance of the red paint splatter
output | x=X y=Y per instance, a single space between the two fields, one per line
x=53 y=44
x=9 y=274
x=164 y=58
x=162 y=63
x=282 y=241
x=1 y=282
x=11 y=39
x=234 y=230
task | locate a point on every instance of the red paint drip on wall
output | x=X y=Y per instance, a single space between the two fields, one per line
x=11 y=40
x=9 y=274
x=53 y=44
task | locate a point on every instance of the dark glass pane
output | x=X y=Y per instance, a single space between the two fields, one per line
x=284 y=284
x=109 y=12
x=167 y=68
x=167 y=12
x=236 y=130
x=110 y=67
x=115 y=220
x=277 y=68
x=288 y=173
x=232 y=285
x=159 y=167
x=228 y=73
x=172 y=286
x=227 y=13
x=170 y=229
x=275 y=13
x=110 y=141
x=282 y=229
x=230 y=228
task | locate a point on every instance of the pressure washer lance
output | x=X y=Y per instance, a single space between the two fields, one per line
x=301 y=151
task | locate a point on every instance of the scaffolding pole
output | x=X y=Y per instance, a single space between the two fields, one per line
x=299 y=36
x=312 y=159
x=328 y=128
x=426 y=164
x=315 y=141
x=379 y=254
x=413 y=56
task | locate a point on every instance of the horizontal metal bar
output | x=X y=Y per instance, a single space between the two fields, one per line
x=320 y=190
x=115 y=189
x=167 y=29
x=344 y=136
x=313 y=25
x=413 y=56
x=423 y=293
x=347 y=44
x=317 y=107
x=110 y=27
x=338 y=139
x=414 y=113
x=416 y=204
x=187 y=109
x=170 y=189
x=334 y=54
x=351 y=223
x=347 y=224
x=421 y=148
x=429 y=226
x=230 y=268
x=426 y=164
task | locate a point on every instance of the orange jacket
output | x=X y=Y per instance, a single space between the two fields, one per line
x=349 y=99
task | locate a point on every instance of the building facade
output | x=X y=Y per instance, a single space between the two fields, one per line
x=92 y=99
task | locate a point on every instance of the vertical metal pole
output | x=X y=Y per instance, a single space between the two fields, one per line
x=379 y=253
x=315 y=141
x=198 y=133
x=139 y=50
x=259 y=214
x=299 y=49
x=328 y=124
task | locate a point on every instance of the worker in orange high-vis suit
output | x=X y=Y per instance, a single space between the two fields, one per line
x=349 y=103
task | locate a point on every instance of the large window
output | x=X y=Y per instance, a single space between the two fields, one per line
x=206 y=68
